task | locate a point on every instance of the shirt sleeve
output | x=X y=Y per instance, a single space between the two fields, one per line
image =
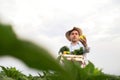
x=86 y=49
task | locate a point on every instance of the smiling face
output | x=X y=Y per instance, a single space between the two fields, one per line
x=74 y=36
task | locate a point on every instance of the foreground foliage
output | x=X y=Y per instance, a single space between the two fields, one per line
x=87 y=73
x=39 y=58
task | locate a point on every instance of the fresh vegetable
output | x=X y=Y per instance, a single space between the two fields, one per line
x=82 y=37
x=78 y=51
x=64 y=50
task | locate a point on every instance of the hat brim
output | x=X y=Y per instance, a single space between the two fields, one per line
x=68 y=32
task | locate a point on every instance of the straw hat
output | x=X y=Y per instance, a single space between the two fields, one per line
x=74 y=28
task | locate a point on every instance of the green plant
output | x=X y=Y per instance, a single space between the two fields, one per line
x=64 y=48
x=78 y=51
x=13 y=73
x=28 y=52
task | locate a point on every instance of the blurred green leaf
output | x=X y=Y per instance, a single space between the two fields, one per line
x=33 y=55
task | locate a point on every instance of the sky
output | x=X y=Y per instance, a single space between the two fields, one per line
x=45 y=23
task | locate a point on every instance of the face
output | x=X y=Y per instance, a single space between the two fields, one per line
x=74 y=36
